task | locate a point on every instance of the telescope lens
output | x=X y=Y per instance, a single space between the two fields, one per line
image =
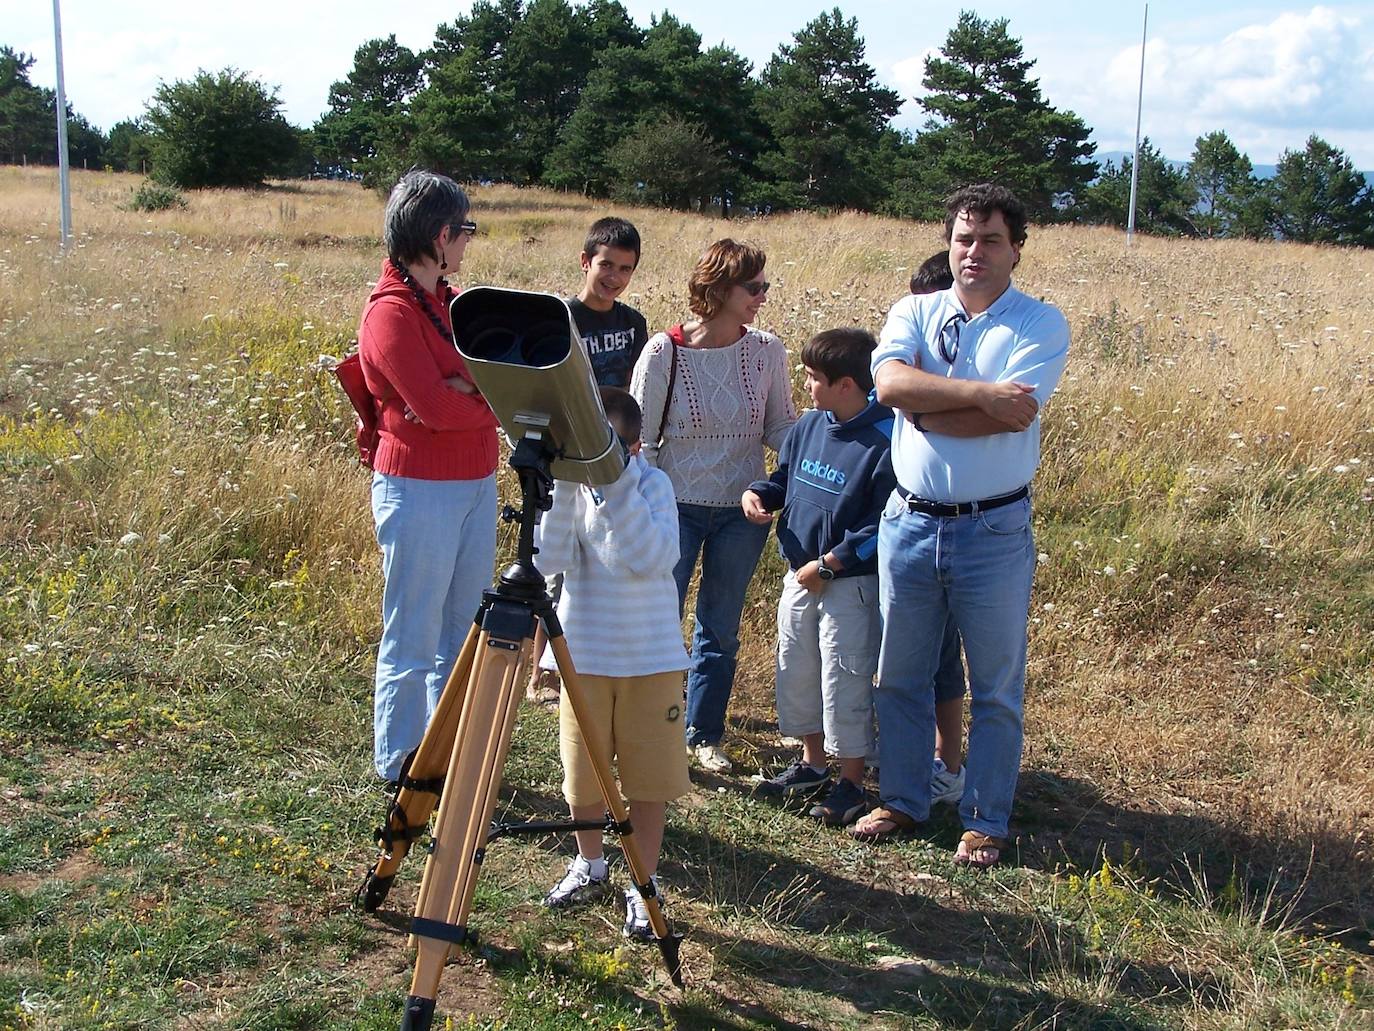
x=497 y=344
x=544 y=345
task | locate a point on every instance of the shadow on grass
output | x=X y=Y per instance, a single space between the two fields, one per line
x=1068 y=821
x=954 y=998
x=980 y=965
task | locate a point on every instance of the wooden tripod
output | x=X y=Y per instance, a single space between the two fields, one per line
x=458 y=764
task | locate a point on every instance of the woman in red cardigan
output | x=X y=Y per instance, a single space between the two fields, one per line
x=433 y=483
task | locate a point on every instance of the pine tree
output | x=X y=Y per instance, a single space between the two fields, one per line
x=1319 y=197
x=665 y=88
x=1230 y=200
x=28 y=119
x=827 y=114
x=989 y=123
x=1165 y=196
x=367 y=107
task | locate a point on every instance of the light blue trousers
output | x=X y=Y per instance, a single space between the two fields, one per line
x=438 y=540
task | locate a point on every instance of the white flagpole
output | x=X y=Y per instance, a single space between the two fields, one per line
x=63 y=171
x=1139 y=103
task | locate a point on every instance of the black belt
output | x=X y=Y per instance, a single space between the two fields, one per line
x=946 y=508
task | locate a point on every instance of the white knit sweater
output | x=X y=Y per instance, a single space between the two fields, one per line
x=617 y=546
x=727 y=403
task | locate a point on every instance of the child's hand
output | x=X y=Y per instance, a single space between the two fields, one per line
x=809 y=576
x=754 y=510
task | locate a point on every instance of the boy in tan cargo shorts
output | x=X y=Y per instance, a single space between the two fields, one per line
x=617 y=546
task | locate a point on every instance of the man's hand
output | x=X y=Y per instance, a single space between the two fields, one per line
x=809 y=576
x=753 y=508
x=1009 y=403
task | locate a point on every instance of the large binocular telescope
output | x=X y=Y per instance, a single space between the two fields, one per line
x=527 y=358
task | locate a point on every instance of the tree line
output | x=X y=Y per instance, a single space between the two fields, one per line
x=579 y=97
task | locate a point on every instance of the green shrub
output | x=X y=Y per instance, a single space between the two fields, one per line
x=151 y=196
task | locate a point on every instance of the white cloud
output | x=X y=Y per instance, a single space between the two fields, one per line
x=1268 y=85
x=905 y=77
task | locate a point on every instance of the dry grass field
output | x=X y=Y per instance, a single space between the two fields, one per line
x=188 y=603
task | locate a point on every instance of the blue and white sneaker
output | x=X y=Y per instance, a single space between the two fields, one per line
x=798 y=779
x=945 y=786
x=843 y=804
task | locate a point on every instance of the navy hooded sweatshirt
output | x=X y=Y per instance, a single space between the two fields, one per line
x=832 y=482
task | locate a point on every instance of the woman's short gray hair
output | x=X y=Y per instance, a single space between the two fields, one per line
x=419 y=207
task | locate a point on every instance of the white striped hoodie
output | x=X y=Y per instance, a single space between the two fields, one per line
x=616 y=546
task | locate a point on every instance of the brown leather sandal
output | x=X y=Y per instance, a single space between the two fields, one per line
x=972 y=843
x=898 y=823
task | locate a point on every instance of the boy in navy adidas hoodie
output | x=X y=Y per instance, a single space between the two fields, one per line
x=833 y=477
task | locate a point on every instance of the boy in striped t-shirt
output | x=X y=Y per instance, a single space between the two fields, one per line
x=617 y=546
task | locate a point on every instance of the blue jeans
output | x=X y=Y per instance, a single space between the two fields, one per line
x=438 y=540
x=730 y=546
x=975 y=572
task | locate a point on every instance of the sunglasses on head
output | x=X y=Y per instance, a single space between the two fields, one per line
x=753 y=289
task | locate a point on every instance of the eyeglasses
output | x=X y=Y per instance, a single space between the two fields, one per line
x=949 y=336
x=466 y=228
x=753 y=289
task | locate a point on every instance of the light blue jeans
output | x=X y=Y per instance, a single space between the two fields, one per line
x=729 y=546
x=974 y=571
x=438 y=540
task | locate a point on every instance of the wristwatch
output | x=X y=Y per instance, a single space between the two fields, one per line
x=824 y=572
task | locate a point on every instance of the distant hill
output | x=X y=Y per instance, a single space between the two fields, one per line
x=1115 y=156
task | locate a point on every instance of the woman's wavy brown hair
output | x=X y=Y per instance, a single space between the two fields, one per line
x=725 y=264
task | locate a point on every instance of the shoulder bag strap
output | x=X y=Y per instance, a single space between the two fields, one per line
x=674 y=338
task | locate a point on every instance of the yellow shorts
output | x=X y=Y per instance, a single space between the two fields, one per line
x=638 y=720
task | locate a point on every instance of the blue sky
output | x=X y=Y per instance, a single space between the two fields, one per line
x=1269 y=74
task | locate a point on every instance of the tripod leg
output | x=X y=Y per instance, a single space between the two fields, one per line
x=421 y=781
x=474 y=775
x=669 y=943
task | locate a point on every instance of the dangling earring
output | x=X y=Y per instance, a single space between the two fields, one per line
x=443 y=263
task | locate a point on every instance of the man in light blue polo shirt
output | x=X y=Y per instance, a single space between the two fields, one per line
x=969 y=368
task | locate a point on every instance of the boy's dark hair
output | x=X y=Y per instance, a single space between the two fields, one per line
x=934 y=274
x=841 y=352
x=611 y=232
x=982 y=200
x=623 y=412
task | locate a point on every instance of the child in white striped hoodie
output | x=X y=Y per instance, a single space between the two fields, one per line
x=617 y=546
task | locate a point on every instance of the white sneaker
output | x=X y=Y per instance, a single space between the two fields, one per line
x=712 y=758
x=945 y=786
x=579 y=884
x=637 y=924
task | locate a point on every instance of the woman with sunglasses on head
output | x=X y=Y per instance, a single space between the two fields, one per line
x=720 y=389
x=433 y=482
